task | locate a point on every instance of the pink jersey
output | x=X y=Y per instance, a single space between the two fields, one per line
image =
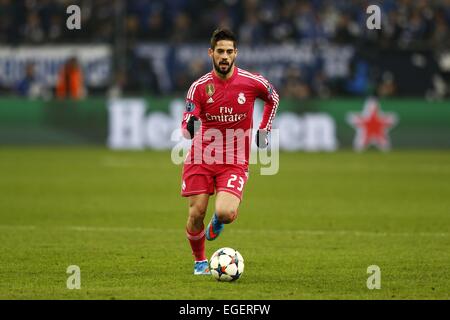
x=225 y=108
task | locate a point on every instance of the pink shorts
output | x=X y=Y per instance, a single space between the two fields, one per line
x=210 y=178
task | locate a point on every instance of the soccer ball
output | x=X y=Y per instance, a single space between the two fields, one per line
x=226 y=264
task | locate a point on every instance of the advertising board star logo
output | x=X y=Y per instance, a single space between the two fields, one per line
x=372 y=126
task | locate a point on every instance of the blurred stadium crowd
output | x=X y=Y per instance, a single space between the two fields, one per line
x=405 y=22
x=414 y=25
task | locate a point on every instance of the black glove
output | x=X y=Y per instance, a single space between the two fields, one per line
x=193 y=125
x=261 y=139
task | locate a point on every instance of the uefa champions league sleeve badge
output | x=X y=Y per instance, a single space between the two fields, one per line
x=190 y=106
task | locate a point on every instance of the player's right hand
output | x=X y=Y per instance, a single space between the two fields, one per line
x=193 y=125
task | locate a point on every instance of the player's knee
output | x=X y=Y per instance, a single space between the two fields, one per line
x=197 y=211
x=226 y=215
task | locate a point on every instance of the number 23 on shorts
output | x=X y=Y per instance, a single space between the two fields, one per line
x=232 y=183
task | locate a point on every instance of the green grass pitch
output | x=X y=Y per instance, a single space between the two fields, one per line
x=309 y=232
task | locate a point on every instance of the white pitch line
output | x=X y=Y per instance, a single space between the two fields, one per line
x=13 y=227
x=242 y=231
x=270 y=231
x=121 y=229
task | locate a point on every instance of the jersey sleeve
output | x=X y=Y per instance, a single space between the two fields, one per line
x=192 y=108
x=269 y=95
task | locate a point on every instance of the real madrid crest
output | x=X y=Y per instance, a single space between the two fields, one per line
x=210 y=89
x=241 y=98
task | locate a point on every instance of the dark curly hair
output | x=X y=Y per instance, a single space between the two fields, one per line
x=222 y=34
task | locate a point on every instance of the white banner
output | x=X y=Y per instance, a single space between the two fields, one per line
x=95 y=60
x=131 y=126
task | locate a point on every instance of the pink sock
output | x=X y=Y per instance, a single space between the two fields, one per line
x=197 y=242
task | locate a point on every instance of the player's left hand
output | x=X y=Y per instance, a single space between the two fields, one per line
x=262 y=140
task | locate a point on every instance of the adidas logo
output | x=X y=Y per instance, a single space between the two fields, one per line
x=210 y=100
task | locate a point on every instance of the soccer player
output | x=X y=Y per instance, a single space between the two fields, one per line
x=222 y=101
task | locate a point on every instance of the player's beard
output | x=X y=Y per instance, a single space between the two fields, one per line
x=223 y=72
